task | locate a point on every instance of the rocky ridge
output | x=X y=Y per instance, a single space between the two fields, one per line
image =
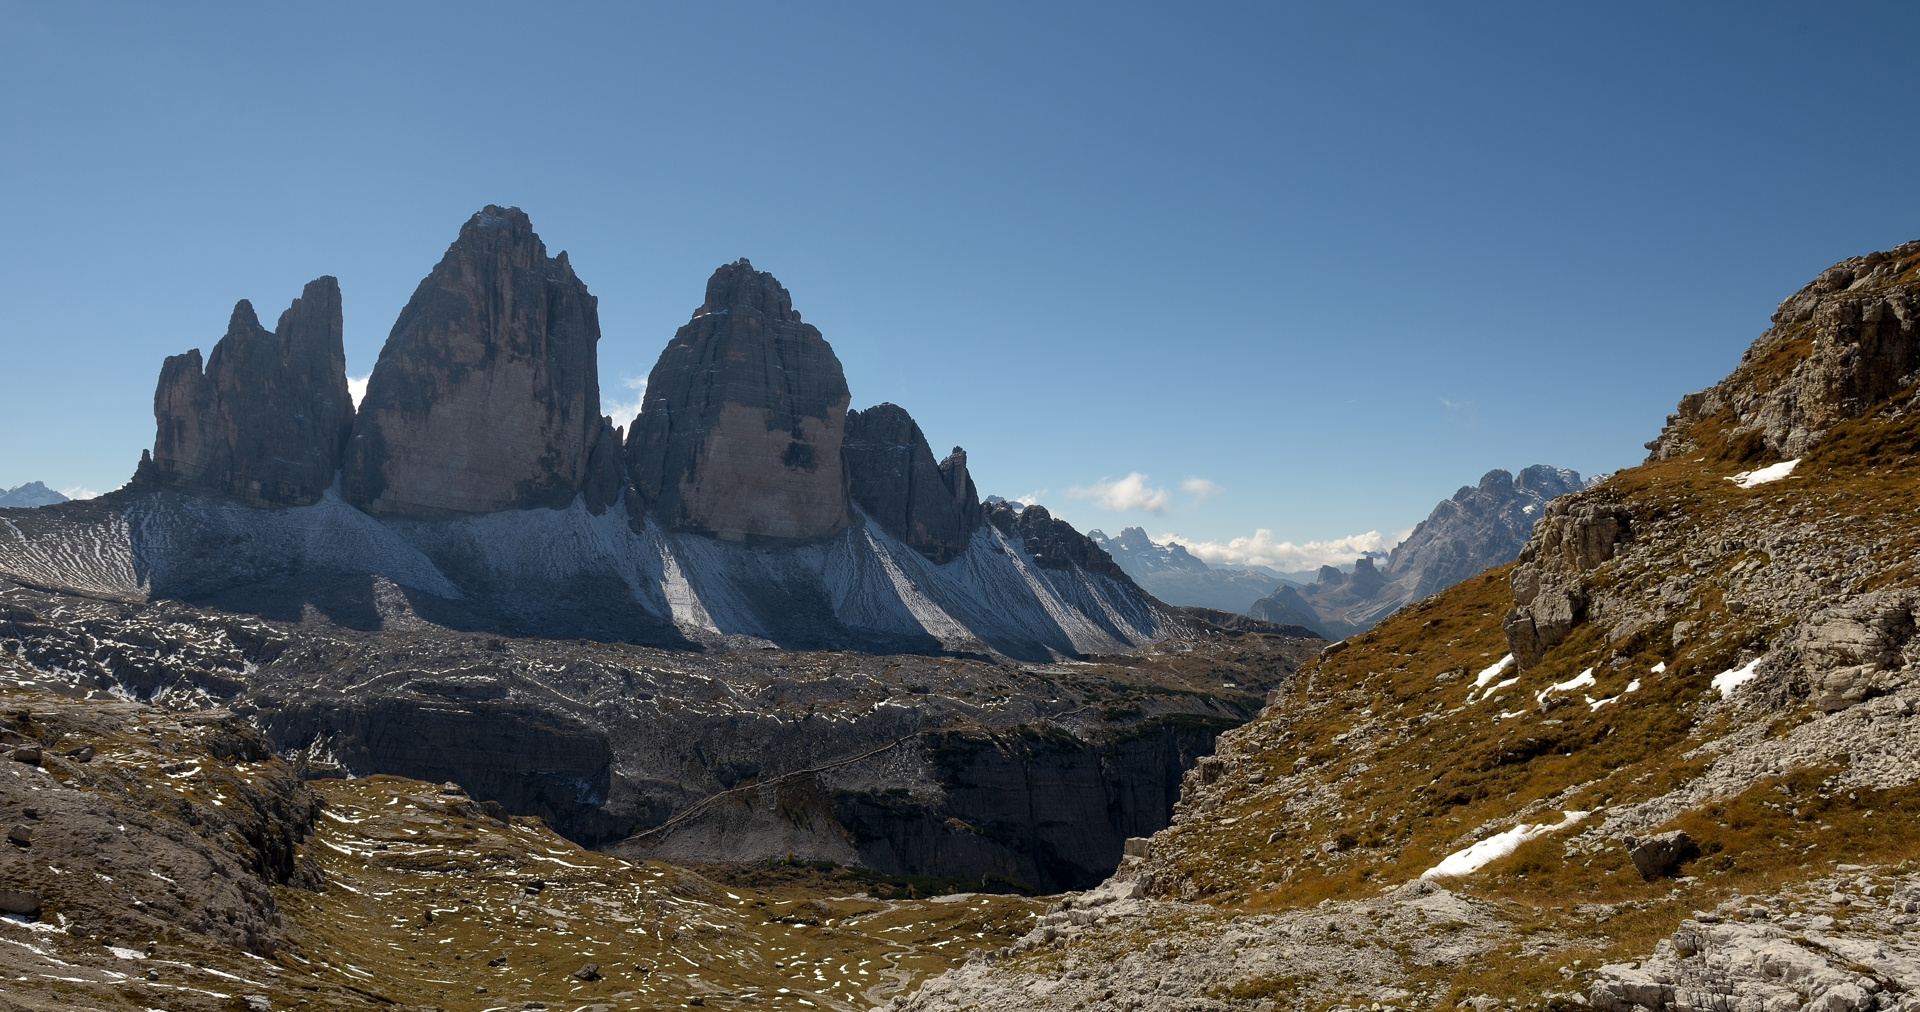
x=1706 y=645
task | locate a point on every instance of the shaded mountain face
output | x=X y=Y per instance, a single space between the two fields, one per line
x=1482 y=526
x=486 y=396
x=27 y=496
x=891 y=474
x=1172 y=574
x=268 y=417
x=740 y=430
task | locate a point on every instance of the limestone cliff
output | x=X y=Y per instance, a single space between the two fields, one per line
x=486 y=396
x=891 y=474
x=266 y=420
x=740 y=431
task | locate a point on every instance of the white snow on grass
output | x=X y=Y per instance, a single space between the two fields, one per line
x=1497 y=846
x=1633 y=686
x=1660 y=668
x=1772 y=472
x=1727 y=681
x=1581 y=680
x=1492 y=672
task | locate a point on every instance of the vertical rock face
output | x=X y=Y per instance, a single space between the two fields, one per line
x=740 y=432
x=891 y=474
x=486 y=396
x=267 y=419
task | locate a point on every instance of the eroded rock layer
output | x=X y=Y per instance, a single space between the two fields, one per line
x=739 y=434
x=267 y=418
x=486 y=396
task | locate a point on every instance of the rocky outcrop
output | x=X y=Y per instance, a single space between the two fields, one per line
x=486 y=396
x=1053 y=544
x=740 y=432
x=891 y=474
x=1837 y=347
x=267 y=418
x=1549 y=597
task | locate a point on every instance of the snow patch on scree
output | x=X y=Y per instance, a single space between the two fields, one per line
x=1772 y=472
x=1497 y=846
x=1727 y=681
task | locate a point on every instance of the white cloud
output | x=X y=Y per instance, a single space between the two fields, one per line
x=623 y=412
x=357 y=388
x=1030 y=498
x=79 y=492
x=1201 y=489
x=1129 y=493
x=1261 y=550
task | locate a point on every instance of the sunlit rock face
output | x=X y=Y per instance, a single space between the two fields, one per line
x=266 y=419
x=739 y=434
x=486 y=396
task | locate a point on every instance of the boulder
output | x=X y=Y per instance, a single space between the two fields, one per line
x=268 y=417
x=486 y=396
x=740 y=431
x=892 y=476
x=1659 y=854
x=19 y=901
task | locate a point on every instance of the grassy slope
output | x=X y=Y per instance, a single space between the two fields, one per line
x=1431 y=769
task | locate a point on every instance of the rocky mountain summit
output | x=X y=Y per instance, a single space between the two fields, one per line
x=28 y=496
x=740 y=432
x=479 y=477
x=1666 y=760
x=486 y=396
x=1482 y=526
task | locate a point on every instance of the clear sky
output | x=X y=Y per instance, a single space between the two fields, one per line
x=1302 y=268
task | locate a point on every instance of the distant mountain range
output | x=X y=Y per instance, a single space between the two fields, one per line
x=1174 y=575
x=1482 y=526
x=27 y=496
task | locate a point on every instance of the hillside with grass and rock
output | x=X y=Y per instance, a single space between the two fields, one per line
x=1667 y=759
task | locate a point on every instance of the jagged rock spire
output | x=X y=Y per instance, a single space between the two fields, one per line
x=268 y=417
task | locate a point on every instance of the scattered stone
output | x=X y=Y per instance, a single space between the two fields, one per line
x=20 y=836
x=591 y=971
x=29 y=754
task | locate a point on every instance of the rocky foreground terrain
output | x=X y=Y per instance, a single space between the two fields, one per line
x=1669 y=759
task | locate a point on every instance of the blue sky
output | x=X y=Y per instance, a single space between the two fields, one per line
x=1305 y=268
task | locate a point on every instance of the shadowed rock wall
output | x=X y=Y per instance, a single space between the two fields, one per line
x=891 y=473
x=267 y=419
x=486 y=396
